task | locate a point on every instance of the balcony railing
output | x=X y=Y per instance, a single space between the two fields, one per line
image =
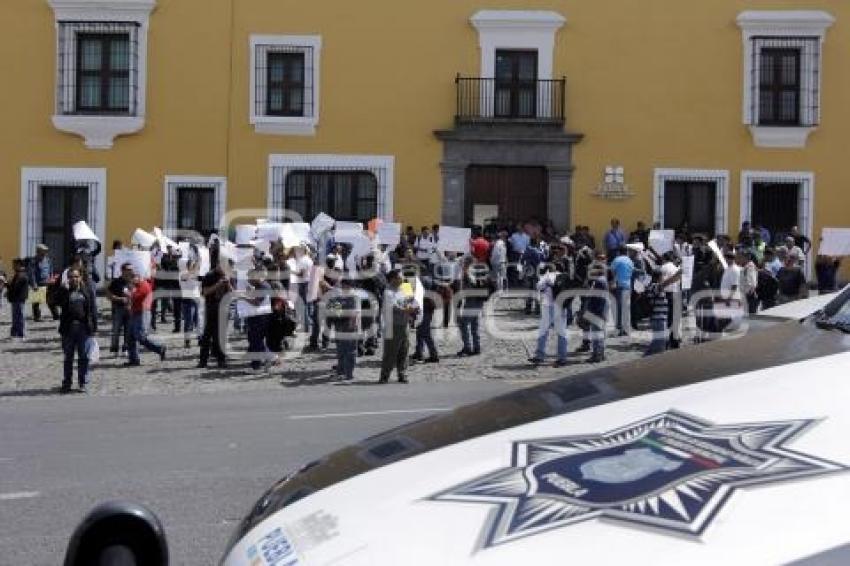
x=497 y=100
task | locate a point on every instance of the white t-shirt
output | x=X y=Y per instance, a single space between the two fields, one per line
x=668 y=270
x=296 y=264
x=731 y=278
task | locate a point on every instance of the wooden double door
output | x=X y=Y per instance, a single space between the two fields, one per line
x=506 y=194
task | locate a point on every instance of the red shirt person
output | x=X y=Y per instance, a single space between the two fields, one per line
x=480 y=248
x=141 y=299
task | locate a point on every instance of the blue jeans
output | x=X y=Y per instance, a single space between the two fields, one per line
x=18 y=325
x=469 y=333
x=424 y=336
x=346 y=357
x=74 y=340
x=189 y=315
x=120 y=327
x=308 y=307
x=138 y=335
x=624 y=306
x=256 y=327
x=552 y=317
x=659 y=336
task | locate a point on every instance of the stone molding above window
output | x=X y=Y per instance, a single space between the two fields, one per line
x=298 y=125
x=517 y=29
x=797 y=28
x=72 y=16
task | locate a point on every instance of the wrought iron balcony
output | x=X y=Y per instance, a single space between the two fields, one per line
x=487 y=100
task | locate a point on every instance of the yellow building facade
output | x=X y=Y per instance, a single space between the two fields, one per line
x=136 y=113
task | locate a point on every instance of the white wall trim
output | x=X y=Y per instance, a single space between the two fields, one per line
x=385 y=163
x=517 y=29
x=719 y=176
x=805 y=213
x=59 y=175
x=99 y=132
x=285 y=125
x=779 y=137
x=781 y=24
x=217 y=182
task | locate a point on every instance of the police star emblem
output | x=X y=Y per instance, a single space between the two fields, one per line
x=672 y=471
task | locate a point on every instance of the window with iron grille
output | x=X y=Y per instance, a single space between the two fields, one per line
x=284 y=83
x=194 y=205
x=786 y=81
x=344 y=195
x=98 y=65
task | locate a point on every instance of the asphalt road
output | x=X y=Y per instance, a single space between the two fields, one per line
x=199 y=460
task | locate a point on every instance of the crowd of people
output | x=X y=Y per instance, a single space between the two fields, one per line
x=376 y=301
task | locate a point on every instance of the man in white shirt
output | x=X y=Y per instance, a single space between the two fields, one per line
x=425 y=246
x=794 y=251
x=300 y=266
x=499 y=261
x=731 y=281
x=749 y=281
x=671 y=281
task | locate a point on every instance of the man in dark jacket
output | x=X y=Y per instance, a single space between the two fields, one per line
x=17 y=292
x=76 y=326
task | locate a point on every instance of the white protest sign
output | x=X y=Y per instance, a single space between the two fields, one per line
x=164 y=241
x=203 y=261
x=389 y=233
x=263 y=246
x=662 y=240
x=835 y=242
x=244 y=258
x=712 y=245
x=453 y=239
x=142 y=238
x=185 y=249
x=321 y=224
x=687 y=272
x=245 y=234
x=348 y=232
x=270 y=232
x=82 y=231
x=361 y=246
x=140 y=260
x=227 y=250
x=302 y=232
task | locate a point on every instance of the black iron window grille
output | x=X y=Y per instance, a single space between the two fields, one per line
x=98 y=66
x=52 y=207
x=283 y=78
x=785 y=81
x=194 y=207
x=350 y=194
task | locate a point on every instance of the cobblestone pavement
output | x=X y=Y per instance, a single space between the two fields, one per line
x=34 y=367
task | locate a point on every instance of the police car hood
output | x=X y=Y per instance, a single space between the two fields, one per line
x=725 y=453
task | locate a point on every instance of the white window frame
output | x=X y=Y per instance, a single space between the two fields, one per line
x=780 y=24
x=50 y=176
x=383 y=164
x=517 y=29
x=721 y=197
x=172 y=183
x=805 y=205
x=287 y=125
x=99 y=132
